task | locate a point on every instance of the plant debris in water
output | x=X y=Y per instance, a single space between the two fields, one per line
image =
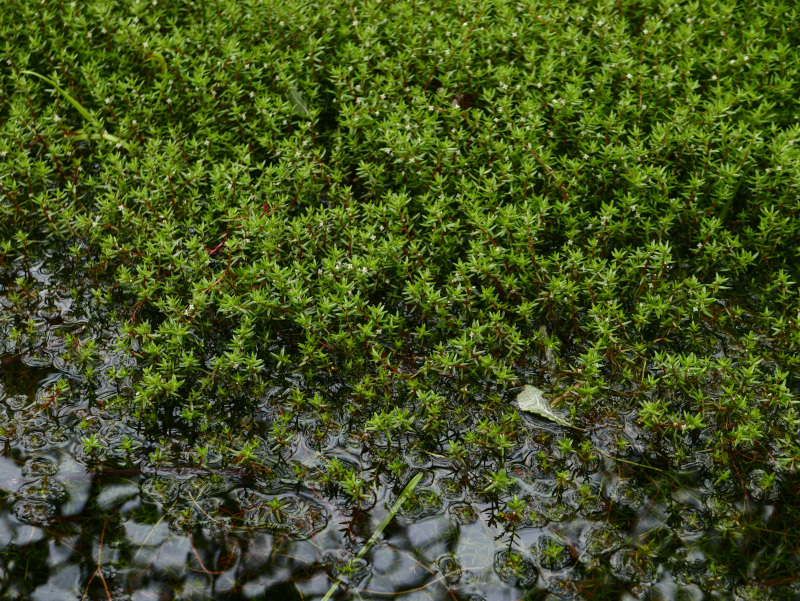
x=264 y=264
x=532 y=399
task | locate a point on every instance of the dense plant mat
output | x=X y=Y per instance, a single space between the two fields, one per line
x=263 y=263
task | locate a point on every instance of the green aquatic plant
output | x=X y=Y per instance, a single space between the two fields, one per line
x=336 y=231
x=498 y=482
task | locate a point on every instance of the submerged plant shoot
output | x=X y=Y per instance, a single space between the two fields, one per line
x=457 y=300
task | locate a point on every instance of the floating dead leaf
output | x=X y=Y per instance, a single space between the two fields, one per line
x=532 y=399
x=299 y=106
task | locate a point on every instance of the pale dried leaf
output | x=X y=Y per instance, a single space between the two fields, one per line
x=532 y=399
x=300 y=107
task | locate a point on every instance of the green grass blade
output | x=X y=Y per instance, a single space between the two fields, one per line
x=392 y=512
x=159 y=58
x=104 y=136
x=84 y=113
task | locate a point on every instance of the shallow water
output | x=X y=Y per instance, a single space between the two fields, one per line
x=117 y=523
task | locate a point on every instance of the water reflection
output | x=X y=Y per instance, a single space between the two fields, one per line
x=70 y=532
x=79 y=522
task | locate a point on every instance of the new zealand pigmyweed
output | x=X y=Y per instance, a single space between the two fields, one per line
x=324 y=225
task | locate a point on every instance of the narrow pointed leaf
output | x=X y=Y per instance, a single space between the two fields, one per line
x=78 y=106
x=392 y=512
x=84 y=113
